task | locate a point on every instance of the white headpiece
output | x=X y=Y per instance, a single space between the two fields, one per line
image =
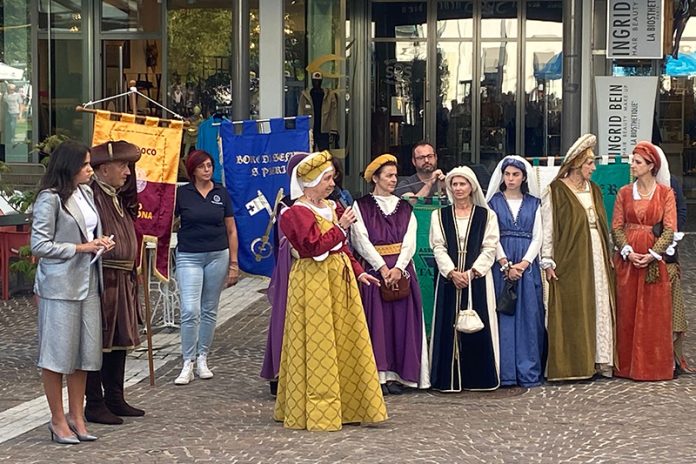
x=318 y=164
x=466 y=172
x=663 y=176
x=519 y=163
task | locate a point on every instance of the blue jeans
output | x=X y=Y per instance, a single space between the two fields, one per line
x=201 y=278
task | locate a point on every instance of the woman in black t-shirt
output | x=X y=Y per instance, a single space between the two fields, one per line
x=206 y=260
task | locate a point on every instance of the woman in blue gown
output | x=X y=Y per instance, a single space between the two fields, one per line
x=513 y=195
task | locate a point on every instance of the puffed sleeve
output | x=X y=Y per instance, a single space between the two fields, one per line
x=670 y=217
x=669 y=222
x=547 y=230
x=408 y=244
x=491 y=237
x=302 y=231
x=535 y=244
x=617 y=224
x=360 y=239
x=43 y=229
x=439 y=245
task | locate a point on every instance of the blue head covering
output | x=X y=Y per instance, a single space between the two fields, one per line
x=515 y=163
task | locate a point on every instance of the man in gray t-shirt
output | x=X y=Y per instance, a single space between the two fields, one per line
x=425 y=182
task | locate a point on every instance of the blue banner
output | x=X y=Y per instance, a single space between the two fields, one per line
x=255 y=169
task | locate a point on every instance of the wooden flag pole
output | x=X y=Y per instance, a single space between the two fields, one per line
x=148 y=314
x=146 y=277
x=132 y=95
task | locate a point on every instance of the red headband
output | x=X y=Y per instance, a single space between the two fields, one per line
x=648 y=151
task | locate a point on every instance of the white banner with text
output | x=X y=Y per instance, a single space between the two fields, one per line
x=625 y=113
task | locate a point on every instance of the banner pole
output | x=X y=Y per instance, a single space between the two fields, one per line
x=138 y=118
x=148 y=316
x=133 y=98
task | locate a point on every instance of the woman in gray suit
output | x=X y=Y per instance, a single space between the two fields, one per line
x=65 y=237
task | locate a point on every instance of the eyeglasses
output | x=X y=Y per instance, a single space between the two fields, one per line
x=429 y=156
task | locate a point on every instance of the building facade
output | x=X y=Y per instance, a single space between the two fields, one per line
x=478 y=78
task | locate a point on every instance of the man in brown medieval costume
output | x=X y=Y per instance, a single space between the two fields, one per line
x=116 y=199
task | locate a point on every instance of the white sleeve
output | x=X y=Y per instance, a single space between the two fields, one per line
x=535 y=245
x=500 y=253
x=408 y=244
x=439 y=246
x=360 y=240
x=486 y=258
x=547 y=230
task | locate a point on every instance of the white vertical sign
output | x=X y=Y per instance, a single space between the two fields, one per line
x=635 y=29
x=625 y=111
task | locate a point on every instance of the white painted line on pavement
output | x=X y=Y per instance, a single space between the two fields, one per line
x=31 y=414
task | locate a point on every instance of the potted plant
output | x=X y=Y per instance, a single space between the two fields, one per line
x=22 y=266
x=47 y=145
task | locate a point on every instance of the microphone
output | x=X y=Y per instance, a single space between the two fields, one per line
x=338 y=198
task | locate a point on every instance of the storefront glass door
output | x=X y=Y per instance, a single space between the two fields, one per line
x=399 y=78
x=480 y=79
x=129 y=35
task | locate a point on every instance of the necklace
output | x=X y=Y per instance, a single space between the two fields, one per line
x=649 y=194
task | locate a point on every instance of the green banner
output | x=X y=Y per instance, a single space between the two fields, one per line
x=423 y=260
x=610 y=178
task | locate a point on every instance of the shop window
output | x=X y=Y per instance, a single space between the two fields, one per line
x=455 y=19
x=16 y=91
x=543 y=98
x=544 y=19
x=200 y=47
x=498 y=19
x=128 y=16
x=400 y=20
x=676 y=113
x=454 y=103
x=498 y=94
x=295 y=31
x=59 y=16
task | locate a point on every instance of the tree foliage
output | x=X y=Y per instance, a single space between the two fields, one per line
x=15 y=35
x=195 y=37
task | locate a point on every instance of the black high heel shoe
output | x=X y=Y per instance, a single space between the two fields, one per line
x=86 y=437
x=62 y=440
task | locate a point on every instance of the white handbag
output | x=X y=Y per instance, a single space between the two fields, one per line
x=468 y=320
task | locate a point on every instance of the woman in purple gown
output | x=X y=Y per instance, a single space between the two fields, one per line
x=384 y=239
x=514 y=198
x=278 y=291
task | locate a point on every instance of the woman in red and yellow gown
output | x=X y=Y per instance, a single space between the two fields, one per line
x=643 y=226
x=328 y=376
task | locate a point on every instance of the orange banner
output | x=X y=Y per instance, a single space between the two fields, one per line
x=156 y=174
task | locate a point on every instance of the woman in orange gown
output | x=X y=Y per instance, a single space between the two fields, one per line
x=643 y=227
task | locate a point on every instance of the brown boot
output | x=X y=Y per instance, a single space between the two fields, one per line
x=113 y=373
x=95 y=410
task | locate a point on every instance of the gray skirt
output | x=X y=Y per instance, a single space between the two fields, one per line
x=70 y=332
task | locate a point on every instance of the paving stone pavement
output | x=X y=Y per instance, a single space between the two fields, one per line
x=229 y=418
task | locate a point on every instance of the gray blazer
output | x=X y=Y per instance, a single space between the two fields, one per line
x=56 y=229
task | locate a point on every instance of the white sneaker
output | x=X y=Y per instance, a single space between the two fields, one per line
x=202 y=367
x=186 y=374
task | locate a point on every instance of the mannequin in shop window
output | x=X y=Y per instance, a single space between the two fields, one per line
x=322 y=105
x=683 y=10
